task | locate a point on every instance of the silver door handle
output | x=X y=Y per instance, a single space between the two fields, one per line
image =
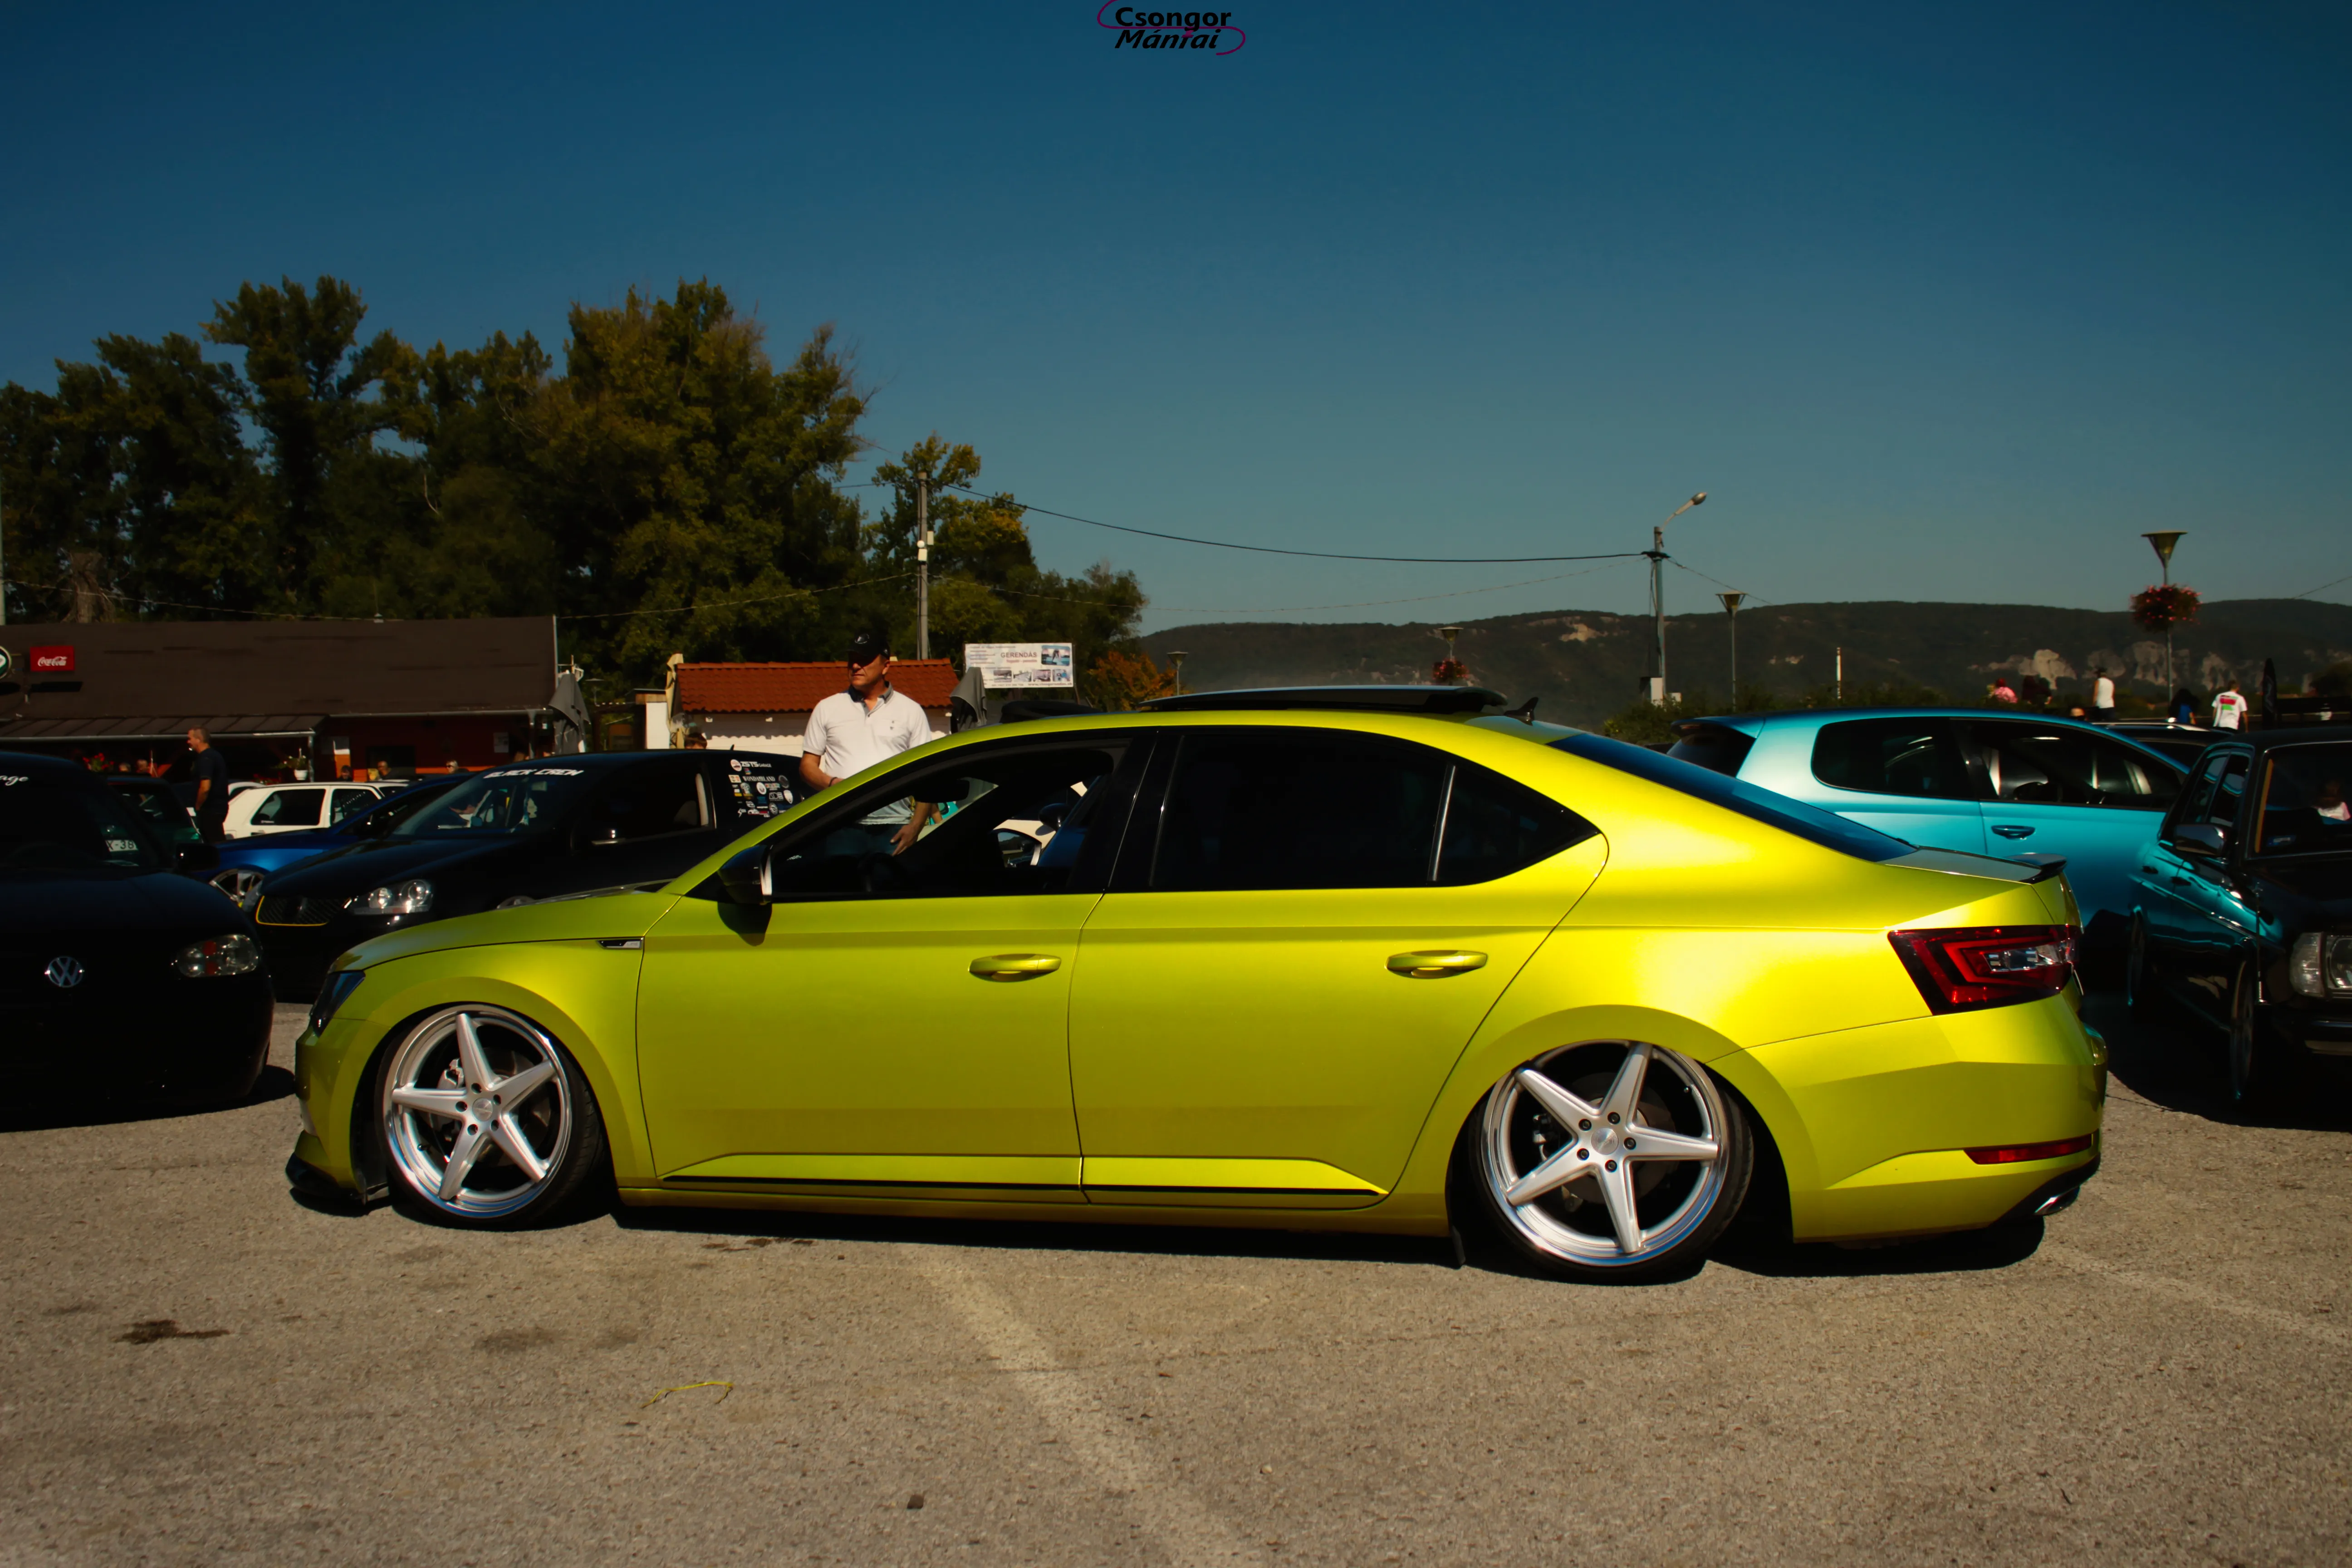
x=2011 y=830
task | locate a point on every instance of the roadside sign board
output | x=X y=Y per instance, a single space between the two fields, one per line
x=57 y=658
x=1005 y=664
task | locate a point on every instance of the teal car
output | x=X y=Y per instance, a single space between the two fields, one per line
x=1985 y=783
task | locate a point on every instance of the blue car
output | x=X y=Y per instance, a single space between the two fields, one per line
x=1963 y=778
x=245 y=861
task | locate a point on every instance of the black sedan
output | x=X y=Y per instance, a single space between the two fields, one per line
x=2243 y=903
x=116 y=970
x=515 y=834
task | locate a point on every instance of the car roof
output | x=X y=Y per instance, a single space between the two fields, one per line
x=41 y=765
x=1337 y=698
x=2287 y=735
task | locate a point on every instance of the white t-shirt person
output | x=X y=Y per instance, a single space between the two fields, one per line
x=2229 y=709
x=846 y=737
x=2103 y=694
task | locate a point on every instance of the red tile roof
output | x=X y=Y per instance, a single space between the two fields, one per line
x=797 y=688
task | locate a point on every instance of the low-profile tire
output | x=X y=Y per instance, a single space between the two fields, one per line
x=1612 y=1160
x=2251 y=1060
x=487 y=1122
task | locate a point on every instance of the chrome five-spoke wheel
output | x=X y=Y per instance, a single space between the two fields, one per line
x=1611 y=1156
x=485 y=1120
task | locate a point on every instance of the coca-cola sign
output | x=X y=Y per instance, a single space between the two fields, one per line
x=56 y=659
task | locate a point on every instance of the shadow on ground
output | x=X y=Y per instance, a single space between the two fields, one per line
x=41 y=1113
x=2175 y=1064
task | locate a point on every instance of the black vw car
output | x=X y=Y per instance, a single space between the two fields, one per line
x=2242 y=913
x=117 y=973
x=515 y=834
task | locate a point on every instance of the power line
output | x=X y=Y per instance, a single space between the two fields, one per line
x=1311 y=554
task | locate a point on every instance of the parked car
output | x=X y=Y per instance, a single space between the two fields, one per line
x=2242 y=920
x=1359 y=965
x=1985 y=783
x=243 y=862
x=511 y=836
x=296 y=807
x=117 y=975
x=158 y=803
x=2184 y=743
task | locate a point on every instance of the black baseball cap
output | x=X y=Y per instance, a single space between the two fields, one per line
x=868 y=646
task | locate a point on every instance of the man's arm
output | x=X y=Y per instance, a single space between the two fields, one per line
x=813 y=771
x=912 y=829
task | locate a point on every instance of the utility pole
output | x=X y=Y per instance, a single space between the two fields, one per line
x=1657 y=554
x=1731 y=607
x=1840 y=677
x=2162 y=543
x=922 y=565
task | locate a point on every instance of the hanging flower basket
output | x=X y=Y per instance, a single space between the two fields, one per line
x=1450 y=672
x=2164 y=607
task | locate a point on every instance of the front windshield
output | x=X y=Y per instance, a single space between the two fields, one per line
x=2303 y=807
x=509 y=800
x=69 y=826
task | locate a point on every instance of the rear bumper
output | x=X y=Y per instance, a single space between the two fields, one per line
x=1873 y=1124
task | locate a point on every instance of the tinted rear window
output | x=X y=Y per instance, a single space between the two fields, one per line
x=1824 y=828
x=1717 y=748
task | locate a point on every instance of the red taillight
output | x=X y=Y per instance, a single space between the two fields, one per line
x=2009 y=1153
x=1964 y=967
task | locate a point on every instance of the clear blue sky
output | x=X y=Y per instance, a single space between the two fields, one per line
x=1936 y=306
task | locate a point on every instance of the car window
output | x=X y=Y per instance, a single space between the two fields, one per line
x=649 y=801
x=47 y=827
x=348 y=801
x=1917 y=757
x=528 y=798
x=1014 y=819
x=754 y=786
x=1717 y=748
x=1496 y=826
x=1272 y=809
x=290 y=809
x=2058 y=764
x=2303 y=802
x=2229 y=792
x=1826 y=828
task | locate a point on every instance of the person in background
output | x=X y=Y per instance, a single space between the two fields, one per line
x=210 y=775
x=2002 y=692
x=2103 y=693
x=2074 y=710
x=696 y=740
x=861 y=728
x=2229 y=709
x=2184 y=707
x=2331 y=805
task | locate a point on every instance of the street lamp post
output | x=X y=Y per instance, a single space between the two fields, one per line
x=1731 y=607
x=1176 y=664
x=1657 y=554
x=2162 y=543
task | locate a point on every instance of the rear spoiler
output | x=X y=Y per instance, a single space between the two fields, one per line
x=2024 y=868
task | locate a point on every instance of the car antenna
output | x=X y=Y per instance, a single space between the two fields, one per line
x=1525 y=713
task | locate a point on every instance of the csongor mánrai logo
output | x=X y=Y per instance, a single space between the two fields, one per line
x=1141 y=29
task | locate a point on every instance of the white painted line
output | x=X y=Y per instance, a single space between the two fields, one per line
x=2197 y=1295
x=1192 y=1536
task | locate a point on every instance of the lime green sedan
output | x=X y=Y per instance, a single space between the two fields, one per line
x=1360 y=960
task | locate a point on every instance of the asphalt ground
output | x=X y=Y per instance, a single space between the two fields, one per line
x=199 y=1368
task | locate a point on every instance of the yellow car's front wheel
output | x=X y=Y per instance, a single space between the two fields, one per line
x=1611 y=1159
x=487 y=1122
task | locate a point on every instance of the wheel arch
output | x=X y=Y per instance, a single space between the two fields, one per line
x=582 y=1031
x=1774 y=1118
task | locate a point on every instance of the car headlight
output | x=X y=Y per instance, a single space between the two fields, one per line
x=2320 y=964
x=412 y=896
x=337 y=991
x=234 y=954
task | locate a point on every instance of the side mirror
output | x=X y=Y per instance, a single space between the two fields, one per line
x=2200 y=838
x=745 y=879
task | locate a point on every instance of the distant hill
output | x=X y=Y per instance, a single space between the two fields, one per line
x=1586 y=663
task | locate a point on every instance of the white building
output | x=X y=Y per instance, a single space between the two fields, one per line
x=765 y=706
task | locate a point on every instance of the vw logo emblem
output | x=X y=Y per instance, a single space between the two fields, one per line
x=64 y=973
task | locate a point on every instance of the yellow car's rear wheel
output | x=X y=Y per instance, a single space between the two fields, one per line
x=1611 y=1159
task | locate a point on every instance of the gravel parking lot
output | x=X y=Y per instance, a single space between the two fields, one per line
x=199 y=1368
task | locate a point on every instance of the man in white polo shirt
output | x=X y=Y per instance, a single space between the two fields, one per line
x=861 y=728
